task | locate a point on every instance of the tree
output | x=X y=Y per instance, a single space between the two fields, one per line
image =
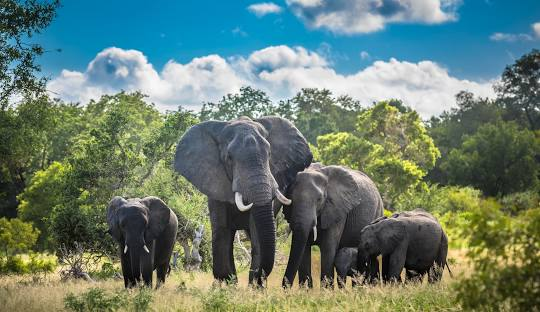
x=519 y=89
x=16 y=236
x=316 y=112
x=19 y=21
x=390 y=144
x=46 y=190
x=498 y=159
x=249 y=102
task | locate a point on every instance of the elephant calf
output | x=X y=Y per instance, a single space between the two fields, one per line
x=413 y=240
x=145 y=230
x=346 y=265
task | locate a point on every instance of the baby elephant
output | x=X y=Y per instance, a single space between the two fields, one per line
x=346 y=265
x=413 y=240
x=145 y=230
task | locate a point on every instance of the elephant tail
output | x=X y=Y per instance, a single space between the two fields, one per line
x=449 y=271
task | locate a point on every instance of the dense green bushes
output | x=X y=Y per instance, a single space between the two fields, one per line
x=504 y=252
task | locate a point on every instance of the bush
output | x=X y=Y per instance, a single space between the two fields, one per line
x=97 y=300
x=16 y=236
x=516 y=203
x=504 y=252
x=34 y=265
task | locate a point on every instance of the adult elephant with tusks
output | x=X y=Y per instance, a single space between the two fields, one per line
x=242 y=165
x=330 y=206
x=145 y=230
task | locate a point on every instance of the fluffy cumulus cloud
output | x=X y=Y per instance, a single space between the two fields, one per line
x=366 y=16
x=509 y=37
x=264 y=8
x=281 y=71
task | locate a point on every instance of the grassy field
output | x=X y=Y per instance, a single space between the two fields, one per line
x=194 y=292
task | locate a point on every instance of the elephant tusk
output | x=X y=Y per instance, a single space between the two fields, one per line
x=282 y=199
x=125 y=249
x=240 y=202
x=146 y=249
x=314 y=233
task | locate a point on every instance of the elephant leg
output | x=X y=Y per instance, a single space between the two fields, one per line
x=222 y=242
x=125 y=261
x=304 y=270
x=329 y=246
x=341 y=280
x=161 y=272
x=413 y=276
x=385 y=268
x=396 y=262
x=372 y=274
x=148 y=265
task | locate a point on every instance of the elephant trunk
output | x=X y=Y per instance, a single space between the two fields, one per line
x=263 y=216
x=135 y=258
x=298 y=246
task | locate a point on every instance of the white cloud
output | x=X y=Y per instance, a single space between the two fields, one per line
x=237 y=31
x=364 y=55
x=508 y=37
x=264 y=8
x=366 y=16
x=281 y=71
x=536 y=29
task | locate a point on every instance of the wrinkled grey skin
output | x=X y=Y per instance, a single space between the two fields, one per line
x=346 y=265
x=413 y=240
x=136 y=223
x=254 y=158
x=337 y=200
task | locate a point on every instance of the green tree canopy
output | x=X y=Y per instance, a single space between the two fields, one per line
x=519 y=90
x=19 y=21
x=389 y=144
x=498 y=159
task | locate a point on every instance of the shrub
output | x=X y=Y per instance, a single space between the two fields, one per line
x=34 y=265
x=516 y=203
x=95 y=299
x=16 y=236
x=504 y=252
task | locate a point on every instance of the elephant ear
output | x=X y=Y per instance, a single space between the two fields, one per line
x=391 y=232
x=289 y=149
x=112 y=217
x=158 y=216
x=343 y=193
x=198 y=160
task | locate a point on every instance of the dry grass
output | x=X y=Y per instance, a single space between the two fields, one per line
x=194 y=292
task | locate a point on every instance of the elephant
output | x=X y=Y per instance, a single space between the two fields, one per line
x=145 y=230
x=330 y=206
x=346 y=265
x=242 y=165
x=413 y=240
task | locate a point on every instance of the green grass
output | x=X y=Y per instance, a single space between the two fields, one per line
x=194 y=292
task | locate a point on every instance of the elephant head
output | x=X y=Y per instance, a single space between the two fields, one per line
x=325 y=193
x=381 y=236
x=135 y=223
x=245 y=162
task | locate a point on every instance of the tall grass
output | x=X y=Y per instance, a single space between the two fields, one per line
x=194 y=292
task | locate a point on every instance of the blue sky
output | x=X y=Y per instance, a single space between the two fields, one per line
x=365 y=44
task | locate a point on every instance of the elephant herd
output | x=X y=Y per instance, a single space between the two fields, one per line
x=250 y=169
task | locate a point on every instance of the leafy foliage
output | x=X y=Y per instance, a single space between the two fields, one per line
x=504 y=253
x=16 y=236
x=390 y=145
x=519 y=90
x=498 y=159
x=19 y=21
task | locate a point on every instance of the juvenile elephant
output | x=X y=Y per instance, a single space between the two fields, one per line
x=145 y=230
x=330 y=206
x=413 y=240
x=242 y=165
x=346 y=265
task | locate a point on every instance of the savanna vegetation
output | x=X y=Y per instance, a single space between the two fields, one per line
x=476 y=167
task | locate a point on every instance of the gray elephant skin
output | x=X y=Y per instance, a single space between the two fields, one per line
x=332 y=203
x=145 y=230
x=413 y=240
x=242 y=165
x=346 y=265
